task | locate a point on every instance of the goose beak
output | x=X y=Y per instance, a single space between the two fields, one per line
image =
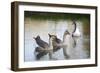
x=49 y=35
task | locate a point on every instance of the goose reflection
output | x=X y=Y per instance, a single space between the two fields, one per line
x=76 y=33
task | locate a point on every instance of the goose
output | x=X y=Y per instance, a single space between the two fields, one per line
x=76 y=32
x=51 y=39
x=58 y=44
x=64 y=45
x=56 y=40
x=41 y=46
x=44 y=47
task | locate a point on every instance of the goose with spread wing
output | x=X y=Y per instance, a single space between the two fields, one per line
x=44 y=47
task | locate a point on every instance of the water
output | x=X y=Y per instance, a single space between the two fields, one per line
x=43 y=27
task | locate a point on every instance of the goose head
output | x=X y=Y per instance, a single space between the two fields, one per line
x=36 y=38
x=53 y=37
x=66 y=32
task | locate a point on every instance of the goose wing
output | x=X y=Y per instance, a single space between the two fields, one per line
x=42 y=43
x=55 y=46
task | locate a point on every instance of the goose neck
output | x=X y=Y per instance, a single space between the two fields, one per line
x=74 y=27
x=50 y=42
x=64 y=37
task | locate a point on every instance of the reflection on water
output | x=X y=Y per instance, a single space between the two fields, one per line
x=43 y=27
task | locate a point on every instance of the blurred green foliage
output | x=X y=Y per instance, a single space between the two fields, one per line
x=55 y=16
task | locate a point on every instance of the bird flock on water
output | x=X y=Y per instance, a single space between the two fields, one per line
x=55 y=44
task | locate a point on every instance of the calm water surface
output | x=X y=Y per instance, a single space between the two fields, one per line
x=43 y=27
